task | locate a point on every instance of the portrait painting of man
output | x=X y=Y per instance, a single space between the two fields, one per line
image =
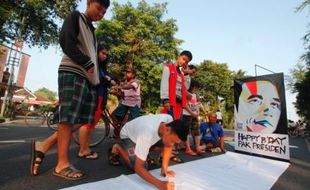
x=260 y=104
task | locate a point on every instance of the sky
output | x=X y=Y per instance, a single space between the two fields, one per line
x=241 y=33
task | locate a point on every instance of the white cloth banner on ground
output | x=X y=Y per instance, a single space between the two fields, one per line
x=226 y=171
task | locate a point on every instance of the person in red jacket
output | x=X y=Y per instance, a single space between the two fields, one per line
x=172 y=87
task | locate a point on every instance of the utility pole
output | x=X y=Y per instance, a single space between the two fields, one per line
x=13 y=61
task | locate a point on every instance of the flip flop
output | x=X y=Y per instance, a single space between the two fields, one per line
x=113 y=159
x=151 y=161
x=69 y=172
x=33 y=158
x=173 y=157
x=190 y=153
x=92 y=155
x=200 y=152
x=216 y=150
x=176 y=159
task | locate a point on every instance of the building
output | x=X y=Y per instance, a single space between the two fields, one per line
x=18 y=93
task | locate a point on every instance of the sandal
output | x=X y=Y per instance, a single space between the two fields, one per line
x=217 y=149
x=151 y=161
x=36 y=159
x=70 y=173
x=113 y=159
x=176 y=159
x=190 y=152
x=200 y=152
x=175 y=152
x=160 y=158
x=92 y=155
x=181 y=147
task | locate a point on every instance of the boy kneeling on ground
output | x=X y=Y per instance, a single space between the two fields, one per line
x=138 y=136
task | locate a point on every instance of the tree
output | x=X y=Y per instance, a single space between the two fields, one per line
x=303 y=97
x=297 y=76
x=302 y=86
x=46 y=93
x=35 y=22
x=139 y=37
x=306 y=56
x=216 y=80
x=239 y=74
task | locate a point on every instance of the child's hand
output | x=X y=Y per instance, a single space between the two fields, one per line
x=195 y=115
x=113 y=83
x=116 y=87
x=167 y=185
x=168 y=174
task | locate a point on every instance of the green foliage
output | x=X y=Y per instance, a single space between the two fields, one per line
x=46 y=93
x=36 y=22
x=301 y=76
x=46 y=108
x=10 y=110
x=139 y=37
x=303 y=5
x=297 y=76
x=303 y=97
x=216 y=80
x=239 y=74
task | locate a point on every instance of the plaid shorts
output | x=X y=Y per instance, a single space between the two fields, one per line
x=77 y=99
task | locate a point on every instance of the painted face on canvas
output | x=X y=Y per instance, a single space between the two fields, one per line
x=259 y=107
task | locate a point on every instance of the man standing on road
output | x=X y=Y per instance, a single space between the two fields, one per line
x=77 y=77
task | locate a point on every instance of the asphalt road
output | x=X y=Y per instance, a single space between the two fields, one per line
x=15 y=154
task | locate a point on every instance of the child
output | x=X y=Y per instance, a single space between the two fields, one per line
x=132 y=100
x=189 y=72
x=77 y=76
x=190 y=115
x=172 y=86
x=166 y=108
x=102 y=90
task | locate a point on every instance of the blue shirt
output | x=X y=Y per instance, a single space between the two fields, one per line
x=102 y=88
x=211 y=132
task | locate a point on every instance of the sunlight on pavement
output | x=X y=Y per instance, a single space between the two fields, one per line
x=13 y=141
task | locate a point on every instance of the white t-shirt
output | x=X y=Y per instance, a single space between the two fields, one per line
x=179 y=86
x=187 y=81
x=192 y=104
x=219 y=115
x=143 y=131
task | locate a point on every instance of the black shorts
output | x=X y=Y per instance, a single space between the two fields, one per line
x=129 y=146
